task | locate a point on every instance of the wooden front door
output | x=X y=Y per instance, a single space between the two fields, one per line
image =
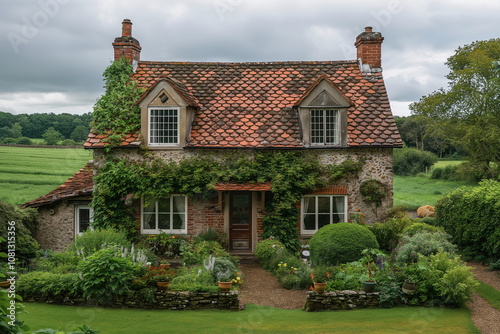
x=240 y=221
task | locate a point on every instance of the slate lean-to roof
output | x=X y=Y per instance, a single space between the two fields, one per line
x=251 y=105
x=81 y=184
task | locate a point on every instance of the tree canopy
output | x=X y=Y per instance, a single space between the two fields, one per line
x=467 y=113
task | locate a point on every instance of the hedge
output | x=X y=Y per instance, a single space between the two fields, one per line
x=472 y=217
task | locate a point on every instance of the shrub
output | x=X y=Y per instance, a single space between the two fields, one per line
x=221 y=269
x=106 y=275
x=45 y=284
x=197 y=252
x=423 y=243
x=340 y=243
x=389 y=232
x=24 y=141
x=164 y=244
x=441 y=279
x=410 y=161
x=94 y=240
x=196 y=279
x=494 y=266
x=446 y=173
x=212 y=235
x=266 y=250
x=346 y=277
x=58 y=263
x=420 y=227
x=472 y=218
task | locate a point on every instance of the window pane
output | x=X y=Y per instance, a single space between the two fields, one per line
x=338 y=205
x=163 y=126
x=149 y=205
x=148 y=222
x=338 y=219
x=323 y=220
x=324 y=205
x=164 y=205
x=179 y=203
x=179 y=222
x=309 y=222
x=83 y=219
x=164 y=221
x=309 y=205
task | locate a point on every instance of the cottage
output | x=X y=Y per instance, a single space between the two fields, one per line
x=332 y=111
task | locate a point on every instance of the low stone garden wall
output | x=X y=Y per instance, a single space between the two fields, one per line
x=167 y=300
x=340 y=300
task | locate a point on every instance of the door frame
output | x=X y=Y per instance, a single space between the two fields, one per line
x=252 y=220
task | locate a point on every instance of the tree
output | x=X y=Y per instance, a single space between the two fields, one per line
x=52 y=137
x=80 y=133
x=468 y=112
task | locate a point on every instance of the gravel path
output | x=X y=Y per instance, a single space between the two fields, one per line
x=262 y=288
x=485 y=317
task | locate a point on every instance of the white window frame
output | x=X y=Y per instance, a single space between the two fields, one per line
x=158 y=230
x=77 y=217
x=342 y=215
x=324 y=126
x=153 y=139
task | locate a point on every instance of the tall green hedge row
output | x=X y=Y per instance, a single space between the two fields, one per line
x=472 y=217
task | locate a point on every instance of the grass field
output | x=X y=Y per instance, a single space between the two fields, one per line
x=415 y=191
x=255 y=319
x=27 y=173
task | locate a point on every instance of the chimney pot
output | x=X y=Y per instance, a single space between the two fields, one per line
x=127 y=28
x=368 y=29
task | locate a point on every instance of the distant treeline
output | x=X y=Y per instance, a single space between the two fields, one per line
x=54 y=126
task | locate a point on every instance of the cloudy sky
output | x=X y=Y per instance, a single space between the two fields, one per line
x=53 y=52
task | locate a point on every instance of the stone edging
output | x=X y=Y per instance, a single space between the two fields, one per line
x=340 y=300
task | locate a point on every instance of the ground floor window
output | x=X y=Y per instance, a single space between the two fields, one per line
x=320 y=210
x=84 y=216
x=167 y=215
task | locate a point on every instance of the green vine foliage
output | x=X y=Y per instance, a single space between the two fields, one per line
x=116 y=108
x=291 y=174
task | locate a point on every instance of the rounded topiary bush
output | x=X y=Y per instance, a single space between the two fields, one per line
x=340 y=243
x=267 y=249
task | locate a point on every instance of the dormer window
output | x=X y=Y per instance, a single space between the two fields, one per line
x=325 y=128
x=323 y=115
x=163 y=126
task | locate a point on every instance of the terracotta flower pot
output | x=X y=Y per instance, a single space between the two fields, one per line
x=164 y=266
x=5 y=284
x=225 y=286
x=162 y=285
x=319 y=287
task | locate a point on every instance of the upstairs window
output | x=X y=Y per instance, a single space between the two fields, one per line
x=164 y=215
x=163 y=126
x=325 y=127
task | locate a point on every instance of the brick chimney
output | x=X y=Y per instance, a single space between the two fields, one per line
x=369 y=50
x=126 y=45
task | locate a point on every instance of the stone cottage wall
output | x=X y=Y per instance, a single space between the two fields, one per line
x=55 y=231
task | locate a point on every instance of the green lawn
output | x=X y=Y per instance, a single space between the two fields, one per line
x=255 y=319
x=27 y=173
x=490 y=294
x=415 y=191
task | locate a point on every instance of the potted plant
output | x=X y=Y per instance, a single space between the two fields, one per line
x=157 y=276
x=320 y=276
x=164 y=264
x=368 y=260
x=409 y=285
x=225 y=281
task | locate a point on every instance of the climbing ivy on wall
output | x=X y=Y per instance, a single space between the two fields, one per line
x=116 y=108
x=291 y=174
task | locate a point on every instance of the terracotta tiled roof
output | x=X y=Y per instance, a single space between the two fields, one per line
x=333 y=190
x=99 y=140
x=252 y=104
x=243 y=186
x=80 y=184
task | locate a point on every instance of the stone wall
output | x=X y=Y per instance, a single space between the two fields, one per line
x=340 y=300
x=56 y=226
x=165 y=300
